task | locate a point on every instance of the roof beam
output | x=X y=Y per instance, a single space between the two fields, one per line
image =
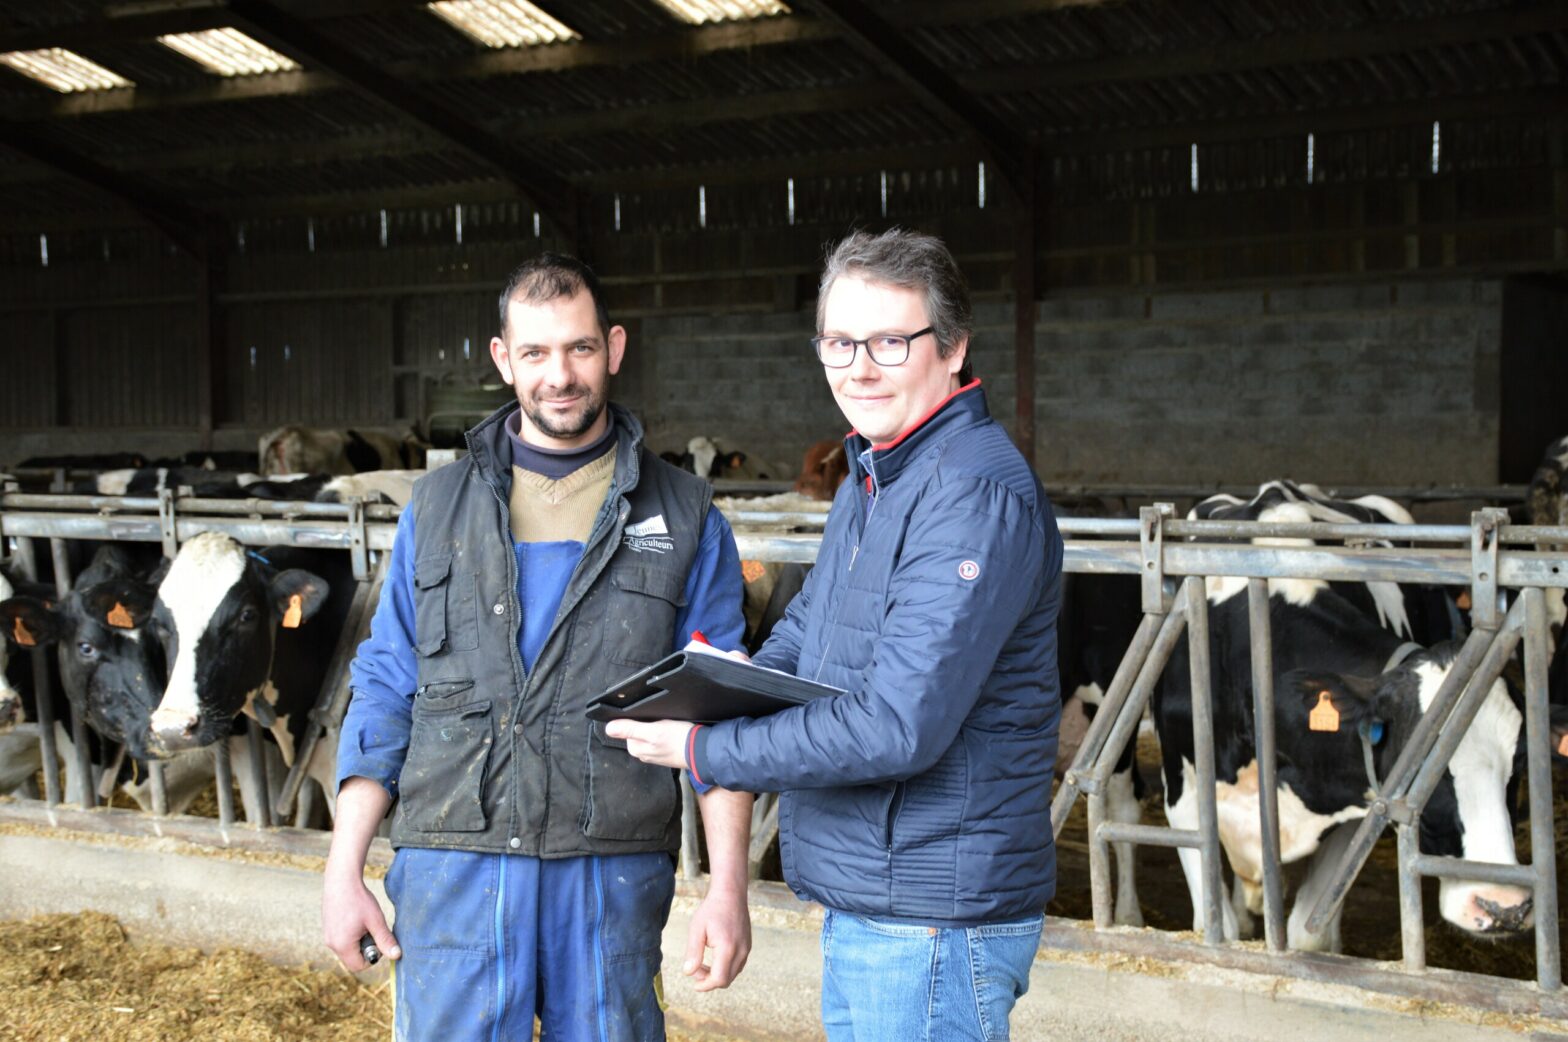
x=551 y=194
x=936 y=89
x=185 y=227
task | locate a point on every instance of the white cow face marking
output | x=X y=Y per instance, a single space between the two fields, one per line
x=200 y=579
x=1480 y=770
x=10 y=698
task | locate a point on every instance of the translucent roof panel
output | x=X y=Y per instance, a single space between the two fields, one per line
x=504 y=23
x=699 y=11
x=228 y=52
x=65 y=71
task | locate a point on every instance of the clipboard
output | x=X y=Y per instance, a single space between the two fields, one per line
x=704 y=689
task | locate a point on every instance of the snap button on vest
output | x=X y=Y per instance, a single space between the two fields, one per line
x=514 y=842
x=499 y=609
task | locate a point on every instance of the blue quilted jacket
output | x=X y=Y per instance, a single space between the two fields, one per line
x=923 y=793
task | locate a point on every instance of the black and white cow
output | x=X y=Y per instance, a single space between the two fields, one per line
x=1329 y=651
x=245 y=633
x=10 y=697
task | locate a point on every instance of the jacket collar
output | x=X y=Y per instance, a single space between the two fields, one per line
x=881 y=463
x=491 y=449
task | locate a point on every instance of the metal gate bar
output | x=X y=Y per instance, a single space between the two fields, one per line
x=1543 y=840
x=27 y=565
x=82 y=762
x=1261 y=634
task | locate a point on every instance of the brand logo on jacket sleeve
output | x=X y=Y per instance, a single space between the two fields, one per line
x=649 y=535
x=969 y=571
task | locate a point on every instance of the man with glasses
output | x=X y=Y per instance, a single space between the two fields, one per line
x=916 y=805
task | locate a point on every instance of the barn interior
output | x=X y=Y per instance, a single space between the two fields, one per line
x=1210 y=242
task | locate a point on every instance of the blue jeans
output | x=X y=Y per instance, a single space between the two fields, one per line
x=895 y=982
x=492 y=940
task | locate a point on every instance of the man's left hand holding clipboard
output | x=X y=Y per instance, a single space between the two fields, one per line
x=664 y=741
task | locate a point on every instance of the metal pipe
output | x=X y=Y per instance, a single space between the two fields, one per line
x=689 y=852
x=1260 y=632
x=223 y=777
x=1150 y=835
x=1538 y=737
x=1474 y=871
x=82 y=761
x=1398 y=778
x=256 y=748
x=1412 y=918
x=160 y=791
x=1100 y=896
x=1203 y=755
x=48 y=752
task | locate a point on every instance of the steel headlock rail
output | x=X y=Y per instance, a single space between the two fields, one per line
x=1173 y=558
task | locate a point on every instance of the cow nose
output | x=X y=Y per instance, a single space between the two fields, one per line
x=1503 y=911
x=10 y=709
x=171 y=732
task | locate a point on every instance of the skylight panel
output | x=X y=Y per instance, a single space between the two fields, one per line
x=63 y=70
x=228 y=52
x=699 y=11
x=504 y=23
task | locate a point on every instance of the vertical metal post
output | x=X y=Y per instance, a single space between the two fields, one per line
x=224 y=779
x=689 y=854
x=160 y=791
x=1412 y=918
x=1203 y=754
x=27 y=565
x=82 y=762
x=1538 y=737
x=258 y=773
x=1100 y=894
x=1261 y=632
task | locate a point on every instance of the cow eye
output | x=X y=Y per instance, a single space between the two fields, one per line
x=86 y=649
x=248 y=614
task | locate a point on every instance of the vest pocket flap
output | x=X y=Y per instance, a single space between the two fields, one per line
x=450 y=696
x=667 y=586
x=432 y=571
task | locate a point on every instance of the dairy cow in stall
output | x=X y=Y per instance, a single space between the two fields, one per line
x=246 y=634
x=1342 y=681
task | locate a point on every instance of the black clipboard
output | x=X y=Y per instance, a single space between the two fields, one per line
x=703 y=689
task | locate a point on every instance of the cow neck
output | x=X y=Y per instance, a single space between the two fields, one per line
x=879 y=464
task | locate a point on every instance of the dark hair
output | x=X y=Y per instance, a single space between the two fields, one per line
x=912 y=260
x=549 y=276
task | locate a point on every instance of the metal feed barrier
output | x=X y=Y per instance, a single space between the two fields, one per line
x=1489 y=556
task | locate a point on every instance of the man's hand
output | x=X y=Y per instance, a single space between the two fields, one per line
x=662 y=742
x=721 y=922
x=349 y=911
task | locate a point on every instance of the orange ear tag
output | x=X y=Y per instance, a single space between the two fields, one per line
x=23 y=635
x=751 y=571
x=295 y=612
x=119 y=617
x=1462 y=602
x=1324 y=717
x=1562 y=745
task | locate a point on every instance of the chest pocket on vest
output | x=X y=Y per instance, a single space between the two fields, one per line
x=443 y=778
x=641 y=623
x=446 y=606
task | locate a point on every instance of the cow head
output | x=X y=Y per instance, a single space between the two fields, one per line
x=111 y=675
x=1472 y=810
x=217 y=614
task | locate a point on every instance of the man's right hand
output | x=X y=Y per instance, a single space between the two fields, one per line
x=348 y=909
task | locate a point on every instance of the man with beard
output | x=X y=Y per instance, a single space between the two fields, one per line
x=534 y=861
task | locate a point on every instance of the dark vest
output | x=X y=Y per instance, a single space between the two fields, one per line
x=501 y=759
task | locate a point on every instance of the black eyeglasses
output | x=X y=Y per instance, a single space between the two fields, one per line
x=838 y=352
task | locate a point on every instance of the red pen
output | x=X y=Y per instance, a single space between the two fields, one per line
x=697 y=636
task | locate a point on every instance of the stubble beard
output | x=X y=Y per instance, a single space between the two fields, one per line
x=572 y=425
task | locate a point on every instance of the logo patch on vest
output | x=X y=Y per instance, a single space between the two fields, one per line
x=969 y=571
x=650 y=535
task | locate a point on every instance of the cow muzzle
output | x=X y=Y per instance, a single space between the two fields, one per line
x=171 y=733
x=1495 y=910
x=10 y=709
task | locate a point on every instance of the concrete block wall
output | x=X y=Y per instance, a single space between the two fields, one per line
x=1392 y=382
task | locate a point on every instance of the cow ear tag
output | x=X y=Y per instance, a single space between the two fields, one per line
x=23 y=635
x=1562 y=745
x=1324 y=717
x=119 y=617
x=751 y=571
x=294 y=613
